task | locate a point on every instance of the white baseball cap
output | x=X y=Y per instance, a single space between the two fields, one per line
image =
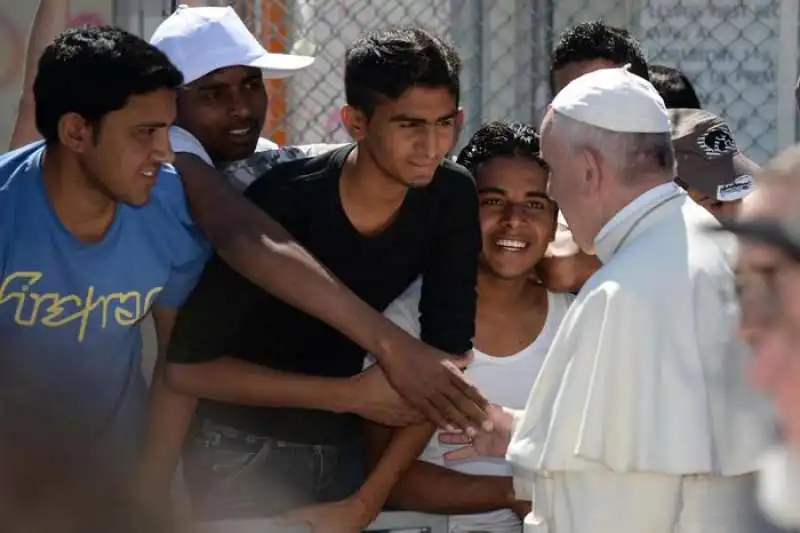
x=199 y=40
x=614 y=99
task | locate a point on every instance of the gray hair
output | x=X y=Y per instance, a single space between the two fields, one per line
x=633 y=155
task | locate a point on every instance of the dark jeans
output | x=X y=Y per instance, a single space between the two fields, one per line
x=233 y=474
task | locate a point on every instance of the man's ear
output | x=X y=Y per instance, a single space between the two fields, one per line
x=355 y=122
x=75 y=133
x=593 y=166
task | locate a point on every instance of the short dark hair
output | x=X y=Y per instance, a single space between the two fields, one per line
x=384 y=64
x=500 y=138
x=92 y=71
x=674 y=87
x=592 y=40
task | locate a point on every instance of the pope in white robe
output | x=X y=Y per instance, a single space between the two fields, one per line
x=641 y=419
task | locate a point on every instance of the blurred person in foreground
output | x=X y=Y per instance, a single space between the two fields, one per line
x=641 y=419
x=768 y=281
x=46 y=488
x=710 y=167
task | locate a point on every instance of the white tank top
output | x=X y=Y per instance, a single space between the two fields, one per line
x=505 y=381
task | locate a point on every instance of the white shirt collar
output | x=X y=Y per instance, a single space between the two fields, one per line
x=608 y=239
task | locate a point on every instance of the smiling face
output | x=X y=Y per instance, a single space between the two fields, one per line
x=517 y=218
x=226 y=110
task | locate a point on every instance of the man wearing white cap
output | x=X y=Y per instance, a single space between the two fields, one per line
x=640 y=420
x=222 y=107
x=221 y=112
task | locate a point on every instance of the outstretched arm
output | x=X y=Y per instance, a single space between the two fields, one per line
x=261 y=250
x=430 y=488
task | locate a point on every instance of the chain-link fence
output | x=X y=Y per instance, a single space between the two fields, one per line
x=732 y=51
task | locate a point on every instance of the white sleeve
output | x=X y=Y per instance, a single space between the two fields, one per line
x=522 y=479
x=183 y=141
x=404 y=312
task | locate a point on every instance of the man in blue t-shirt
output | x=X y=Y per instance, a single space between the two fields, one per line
x=94 y=235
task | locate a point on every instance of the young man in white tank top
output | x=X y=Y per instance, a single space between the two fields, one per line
x=515 y=323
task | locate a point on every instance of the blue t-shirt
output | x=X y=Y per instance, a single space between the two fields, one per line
x=70 y=312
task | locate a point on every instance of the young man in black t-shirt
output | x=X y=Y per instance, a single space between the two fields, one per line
x=276 y=426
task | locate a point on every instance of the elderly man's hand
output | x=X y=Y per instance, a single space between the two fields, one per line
x=484 y=443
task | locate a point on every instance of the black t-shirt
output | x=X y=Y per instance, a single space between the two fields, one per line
x=435 y=234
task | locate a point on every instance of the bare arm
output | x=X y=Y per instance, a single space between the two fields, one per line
x=236 y=381
x=262 y=251
x=567 y=273
x=390 y=454
x=565 y=268
x=209 y=326
x=402 y=448
x=168 y=418
x=51 y=18
x=430 y=488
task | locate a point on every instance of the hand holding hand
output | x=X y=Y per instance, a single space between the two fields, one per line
x=483 y=443
x=433 y=382
x=376 y=400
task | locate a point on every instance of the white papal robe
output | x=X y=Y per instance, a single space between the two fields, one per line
x=641 y=420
